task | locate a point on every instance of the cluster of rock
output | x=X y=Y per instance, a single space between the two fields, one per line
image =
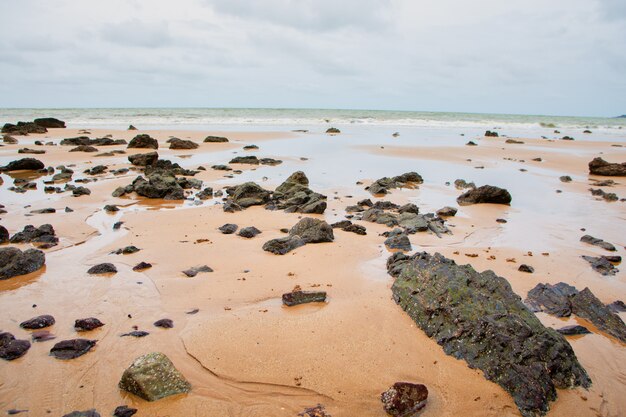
x=84 y=142
x=563 y=300
x=603 y=264
x=383 y=185
x=253 y=160
x=36 y=126
x=293 y=196
x=307 y=230
x=43 y=236
x=477 y=317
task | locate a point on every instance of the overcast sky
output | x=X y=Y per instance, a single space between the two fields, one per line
x=560 y=57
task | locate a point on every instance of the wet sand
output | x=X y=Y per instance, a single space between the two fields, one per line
x=247 y=355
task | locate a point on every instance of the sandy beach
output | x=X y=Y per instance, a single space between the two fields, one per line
x=243 y=351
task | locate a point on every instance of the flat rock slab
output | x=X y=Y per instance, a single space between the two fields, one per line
x=404 y=399
x=152 y=377
x=302 y=297
x=71 y=349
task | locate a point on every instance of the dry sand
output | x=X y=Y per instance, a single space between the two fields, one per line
x=244 y=353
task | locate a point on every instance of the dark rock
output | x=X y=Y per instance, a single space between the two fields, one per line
x=333 y=130
x=42 y=336
x=131 y=127
x=73 y=348
x=126 y=250
x=283 y=245
x=601 y=264
x=407 y=208
x=222 y=168
x=192 y=272
x=382 y=185
x=404 y=399
x=143 y=141
x=398 y=240
x=164 y=323
x=12 y=348
x=341 y=224
x=50 y=123
x=84 y=148
x=123 y=410
x=250 y=147
x=141 y=266
x=152 y=377
x=513 y=142
x=38 y=322
x=158 y=185
x=312 y=230
x=573 y=330
x=447 y=211
x=302 y=297
x=617 y=306
x=567 y=138
x=355 y=228
x=31 y=151
x=9 y=140
x=228 y=228
x=471 y=143
x=135 y=333
x=598 y=242
x=249 y=232
x=86 y=141
x=97 y=170
x=23 y=128
x=250 y=159
x=111 y=208
x=14 y=262
x=43 y=234
x=143 y=159
x=294 y=196
x=485 y=194
x=215 y=139
x=270 y=161
x=104 y=268
x=552 y=299
x=461 y=184
x=317 y=411
x=87 y=413
x=249 y=194
x=183 y=144
x=79 y=191
x=205 y=194
x=85 y=325
x=24 y=164
x=117 y=225
x=231 y=207
x=477 y=317
x=4 y=235
x=565 y=178
x=606 y=196
x=491 y=134
x=586 y=305
x=599 y=166
x=526 y=268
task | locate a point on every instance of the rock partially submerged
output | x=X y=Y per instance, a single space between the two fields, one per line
x=404 y=399
x=152 y=377
x=12 y=348
x=598 y=242
x=485 y=194
x=50 y=122
x=383 y=185
x=14 y=262
x=573 y=330
x=599 y=166
x=161 y=184
x=477 y=317
x=562 y=300
x=23 y=128
x=283 y=245
x=71 y=349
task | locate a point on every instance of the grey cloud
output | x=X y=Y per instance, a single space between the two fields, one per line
x=137 y=33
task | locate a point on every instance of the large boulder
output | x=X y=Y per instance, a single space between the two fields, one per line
x=23 y=128
x=485 y=194
x=294 y=196
x=176 y=143
x=143 y=159
x=144 y=141
x=249 y=194
x=159 y=185
x=14 y=262
x=50 y=122
x=152 y=377
x=477 y=317
x=24 y=164
x=599 y=166
x=313 y=230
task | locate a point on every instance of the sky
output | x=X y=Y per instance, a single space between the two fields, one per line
x=556 y=57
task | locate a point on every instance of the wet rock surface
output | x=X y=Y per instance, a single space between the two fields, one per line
x=398 y=240
x=164 y=323
x=104 y=268
x=597 y=242
x=14 y=262
x=404 y=399
x=573 y=330
x=601 y=264
x=383 y=185
x=477 y=317
x=42 y=336
x=215 y=139
x=87 y=324
x=38 y=322
x=141 y=266
x=303 y=297
x=12 y=348
x=135 y=333
x=24 y=164
x=599 y=166
x=152 y=377
x=176 y=143
x=71 y=349
x=23 y=128
x=312 y=230
x=43 y=235
x=485 y=194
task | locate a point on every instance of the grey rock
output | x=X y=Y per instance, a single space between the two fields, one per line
x=312 y=230
x=192 y=272
x=485 y=194
x=104 y=268
x=14 y=262
x=152 y=377
x=249 y=232
x=143 y=141
x=598 y=242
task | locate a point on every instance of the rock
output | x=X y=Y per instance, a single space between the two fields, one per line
x=86 y=141
x=294 y=196
x=164 y=323
x=4 y=235
x=117 y=225
x=491 y=134
x=617 y=306
x=355 y=228
x=567 y=138
x=270 y=161
x=302 y=297
x=126 y=250
x=31 y=151
x=215 y=139
x=221 y=168
x=598 y=242
x=152 y=377
x=24 y=164
x=599 y=166
x=461 y=184
x=404 y=399
x=97 y=170
x=12 y=348
x=573 y=330
x=606 y=196
x=88 y=324
x=205 y=194
x=111 y=208
x=131 y=127
x=382 y=185
x=477 y=317
x=333 y=130
x=42 y=336
x=228 y=228
x=317 y=411
x=144 y=141
x=141 y=266
x=601 y=264
x=43 y=235
x=249 y=194
x=161 y=184
x=513 y=142
x=71 y=349
x=14 y=262
x=586 y=305
x=250 y=159
x=471 y=143
x=38 y=322
x=87 y=413
x=553 y=299
x=250 y=147
x=565 y=178
x=104 y=268
x=79 y=191
x=283 y=245
x=341 y=224
x=50 y=123
x=526 y=268
x=9 y=140
x=23 y=128
x=312 y=231
x=485 y=194
x=84 y=148
x=144 y=159
x=231 y=207
x=398 y=240
x=249 y=232
x=183 y=144
x=124 y=411
x=446 y=211
x=135 y=333
x=192 y=272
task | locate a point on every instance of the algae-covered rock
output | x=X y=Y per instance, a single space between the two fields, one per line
x=477 y=317
x=152 y=377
